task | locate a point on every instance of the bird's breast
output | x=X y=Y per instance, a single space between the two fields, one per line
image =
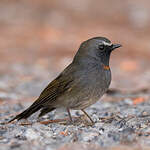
x=96 y=79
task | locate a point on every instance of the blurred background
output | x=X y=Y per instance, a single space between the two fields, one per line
x=39 y=38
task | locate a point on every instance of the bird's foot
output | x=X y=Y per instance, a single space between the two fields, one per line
x=86 y=121
x=86 y=116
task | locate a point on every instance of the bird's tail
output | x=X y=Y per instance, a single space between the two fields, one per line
x=28 y=112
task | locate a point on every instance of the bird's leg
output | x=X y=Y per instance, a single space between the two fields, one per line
x=69 y=114
x=60 y=120
x=87 y=115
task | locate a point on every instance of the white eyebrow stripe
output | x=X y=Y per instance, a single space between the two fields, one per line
x=108 y=44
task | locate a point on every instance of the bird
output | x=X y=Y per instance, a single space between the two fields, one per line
x=82 y=83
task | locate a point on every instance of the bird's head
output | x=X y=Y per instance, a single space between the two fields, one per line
x=98 y=48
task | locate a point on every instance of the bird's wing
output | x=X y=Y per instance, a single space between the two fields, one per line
x=55 y=89
x=58 y=86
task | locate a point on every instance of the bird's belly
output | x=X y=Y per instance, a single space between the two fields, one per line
x=81 y=99
x=85 y=102
x=84 y=94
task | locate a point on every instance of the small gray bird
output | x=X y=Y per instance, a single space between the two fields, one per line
x=81 y=84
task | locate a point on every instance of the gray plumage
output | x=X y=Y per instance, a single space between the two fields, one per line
x=81 y=84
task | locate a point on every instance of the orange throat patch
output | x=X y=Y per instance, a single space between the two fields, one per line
x=106 y=67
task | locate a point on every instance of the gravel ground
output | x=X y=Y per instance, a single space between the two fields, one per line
x=116 y=122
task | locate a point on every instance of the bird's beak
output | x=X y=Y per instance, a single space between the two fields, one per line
x=114 y=46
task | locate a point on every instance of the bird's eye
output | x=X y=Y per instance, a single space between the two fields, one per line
x=101 y=46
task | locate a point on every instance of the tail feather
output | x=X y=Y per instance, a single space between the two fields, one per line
x=45 y=111
x=25 y=114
